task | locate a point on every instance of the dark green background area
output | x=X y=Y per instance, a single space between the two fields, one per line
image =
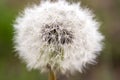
x=108 y=66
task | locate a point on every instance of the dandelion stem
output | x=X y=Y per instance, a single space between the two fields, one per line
x=51 y=74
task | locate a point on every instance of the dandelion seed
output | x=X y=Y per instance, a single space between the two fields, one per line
x=60 y=34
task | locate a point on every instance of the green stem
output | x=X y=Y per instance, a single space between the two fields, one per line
x=51 y=74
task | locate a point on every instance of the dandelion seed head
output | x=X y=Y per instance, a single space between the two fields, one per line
x=60 y=34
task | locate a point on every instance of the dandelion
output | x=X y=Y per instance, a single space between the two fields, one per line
x=57 y=36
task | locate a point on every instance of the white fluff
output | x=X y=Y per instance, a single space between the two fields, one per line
x=86 y=45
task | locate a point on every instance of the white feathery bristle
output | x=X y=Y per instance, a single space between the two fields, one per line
x=60 y=34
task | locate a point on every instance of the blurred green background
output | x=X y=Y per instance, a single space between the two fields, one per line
x=108 y=66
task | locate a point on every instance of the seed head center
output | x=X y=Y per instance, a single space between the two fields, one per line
x=52 y=34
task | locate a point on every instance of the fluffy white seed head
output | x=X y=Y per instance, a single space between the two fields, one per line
x=62 y=35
